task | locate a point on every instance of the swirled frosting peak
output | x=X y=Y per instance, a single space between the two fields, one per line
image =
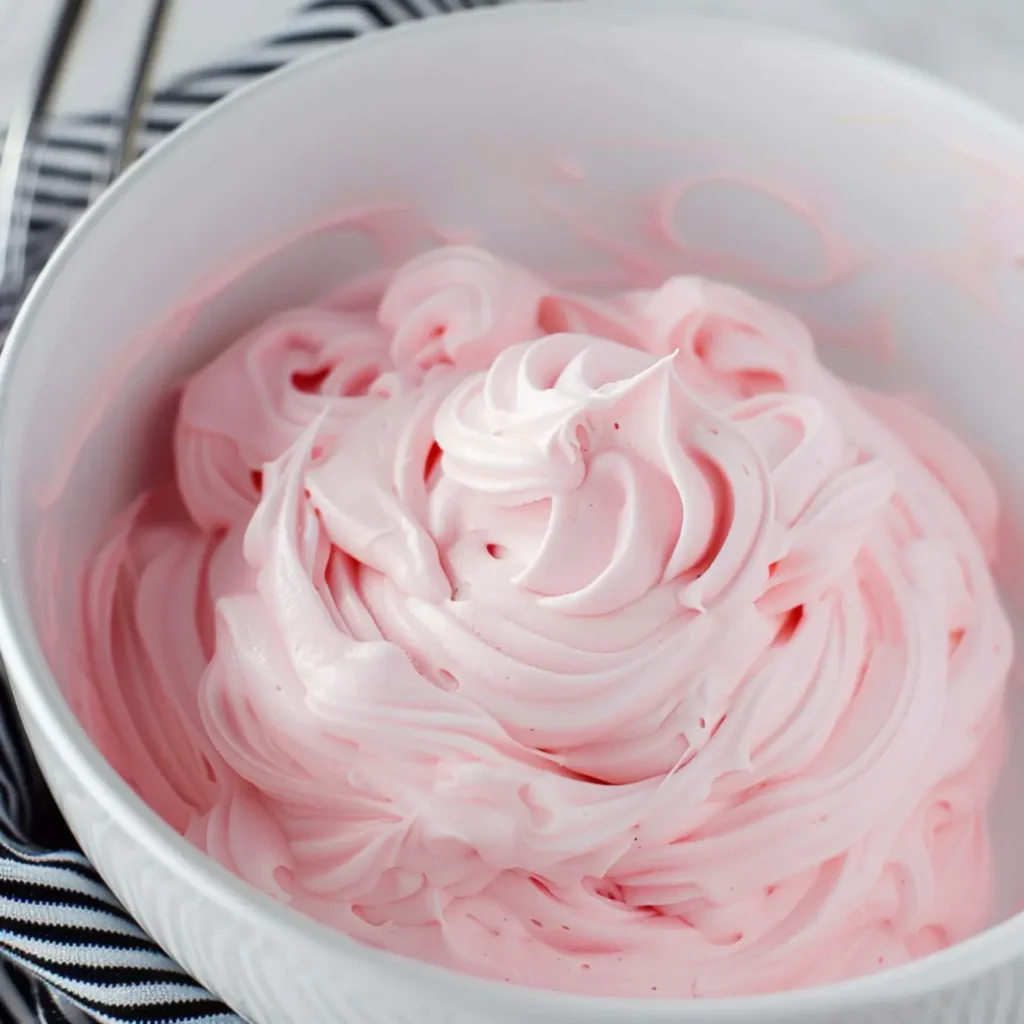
x=608 y=644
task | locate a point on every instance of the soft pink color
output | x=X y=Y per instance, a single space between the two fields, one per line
x=610 y=645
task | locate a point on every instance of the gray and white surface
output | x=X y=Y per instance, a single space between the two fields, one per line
x=200 y=30
x=976 y=44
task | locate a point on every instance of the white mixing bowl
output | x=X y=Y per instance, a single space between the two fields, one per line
x=486 y=121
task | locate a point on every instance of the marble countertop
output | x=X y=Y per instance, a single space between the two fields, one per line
x=976 y=44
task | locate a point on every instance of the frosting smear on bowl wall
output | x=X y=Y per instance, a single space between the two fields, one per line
x=607 y=644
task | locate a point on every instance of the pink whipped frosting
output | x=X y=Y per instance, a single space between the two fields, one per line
x=602 y=644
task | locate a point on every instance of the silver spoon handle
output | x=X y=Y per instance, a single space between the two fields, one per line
x=24 y=135
x=139 y=90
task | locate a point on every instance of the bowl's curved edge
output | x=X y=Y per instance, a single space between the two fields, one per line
x=39 y=698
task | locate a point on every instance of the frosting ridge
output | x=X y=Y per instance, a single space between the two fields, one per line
x=608 y=644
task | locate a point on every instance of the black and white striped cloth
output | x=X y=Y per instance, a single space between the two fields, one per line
x=79 y=148
x=69 y=953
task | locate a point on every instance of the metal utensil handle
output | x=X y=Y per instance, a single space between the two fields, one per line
x=17 y=159
x=21 y=136
x=138 y=92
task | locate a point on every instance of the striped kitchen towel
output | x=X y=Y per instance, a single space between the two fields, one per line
x=70 y=952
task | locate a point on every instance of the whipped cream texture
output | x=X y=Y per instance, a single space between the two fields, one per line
x=609 y=645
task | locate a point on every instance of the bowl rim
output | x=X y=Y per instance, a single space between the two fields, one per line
x=39 y=697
